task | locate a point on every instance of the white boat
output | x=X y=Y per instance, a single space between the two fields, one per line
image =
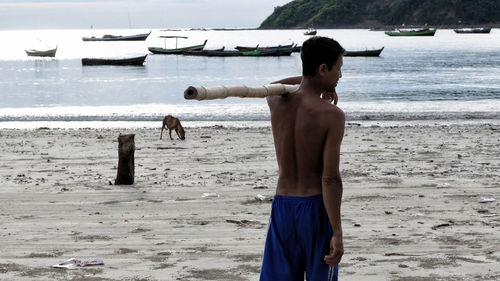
x=41 y=53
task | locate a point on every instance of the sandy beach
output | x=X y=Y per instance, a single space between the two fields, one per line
x=420 y=203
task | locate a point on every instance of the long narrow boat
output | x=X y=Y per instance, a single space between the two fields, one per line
x=365 y=53
x=108 y=37
x=413 y=32
x=201 y=52
x=213 y=53
x=255 y=53
x=225 y=53
x=473 y=30
x=121 y=61
x=271 y=52
x=247 y=49
x=176 y=51
x=39 y=53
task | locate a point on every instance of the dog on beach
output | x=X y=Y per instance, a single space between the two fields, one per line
x=172 y=123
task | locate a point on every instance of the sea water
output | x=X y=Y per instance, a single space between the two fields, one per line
x=445 y=78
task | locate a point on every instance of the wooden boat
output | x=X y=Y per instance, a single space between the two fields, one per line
x=108 y=37
x=248 y=49
x=225 y=54
x=365 y=53
x=213 y=53
x=121 y=61
x=270 y=52
x=473 y=30
x=254 y=53
x=201 y=52
x=39 y=53
x=310 y=32
x=412 y=32
x=176 y=51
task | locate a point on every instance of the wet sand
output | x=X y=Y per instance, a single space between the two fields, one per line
x=420 y=203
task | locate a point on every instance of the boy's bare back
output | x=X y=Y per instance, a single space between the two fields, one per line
x=304 y=126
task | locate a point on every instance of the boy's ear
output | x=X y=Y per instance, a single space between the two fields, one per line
x=322 y=68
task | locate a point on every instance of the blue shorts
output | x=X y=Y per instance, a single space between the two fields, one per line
x=297 y=240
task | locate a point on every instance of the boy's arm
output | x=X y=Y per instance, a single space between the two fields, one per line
x=289 y=80
x=329 y=96
x=332 y=185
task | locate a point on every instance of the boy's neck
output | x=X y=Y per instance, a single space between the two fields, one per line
x=311 y=85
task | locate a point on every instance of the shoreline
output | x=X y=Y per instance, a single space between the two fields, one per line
x=113 y=125
x=375 y=27
x=420 y=203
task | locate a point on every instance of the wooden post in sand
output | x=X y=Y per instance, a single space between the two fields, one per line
x=126 y=149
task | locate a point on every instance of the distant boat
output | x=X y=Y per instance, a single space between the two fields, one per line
x=224 y=54
x=108 y=37
x=176 y=51
x=201 y=52
x=248 y=49
x=138 y=61
x=310 y=31
x=269 y=52
x=473 y=30
x=275 y=52
x=412 y=32
x=40 y=53
x=296 y=49
x=365 y=53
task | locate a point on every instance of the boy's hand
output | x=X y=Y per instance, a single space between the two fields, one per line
x=336 y=250
x=330 y=96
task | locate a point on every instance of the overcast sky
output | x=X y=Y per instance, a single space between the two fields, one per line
x=40 y=14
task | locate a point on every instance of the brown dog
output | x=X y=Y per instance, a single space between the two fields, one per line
x=171 y=123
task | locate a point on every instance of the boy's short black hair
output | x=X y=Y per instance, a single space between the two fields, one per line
x=318 y=50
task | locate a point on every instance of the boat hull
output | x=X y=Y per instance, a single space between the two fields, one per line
x=429 y=32
x=37 y=53
x=271 y=52
x=483 y=30
x=137 y=61
x=213 y=53
x=366 y=53
x=248 y=49
x=137 y=37
x=177 y=51
x=255 y=53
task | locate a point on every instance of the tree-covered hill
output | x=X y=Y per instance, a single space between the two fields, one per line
x=336 y=13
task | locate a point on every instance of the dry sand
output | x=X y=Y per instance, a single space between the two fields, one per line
x=411 y=210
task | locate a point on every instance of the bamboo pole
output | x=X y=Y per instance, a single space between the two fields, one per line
x=221 y=92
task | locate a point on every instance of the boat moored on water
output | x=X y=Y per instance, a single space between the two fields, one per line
x=137 y=61
x=412 y=32
x=311 y=32
x=269 y=52
x=275 y=52
x=41 y=53
x=473 y=30
x=365 y=53
x=109 y=37
x=248 y=49
x=201 y=52
x=176 y=50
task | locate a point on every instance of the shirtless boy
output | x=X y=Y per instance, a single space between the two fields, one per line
x=305 y=232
